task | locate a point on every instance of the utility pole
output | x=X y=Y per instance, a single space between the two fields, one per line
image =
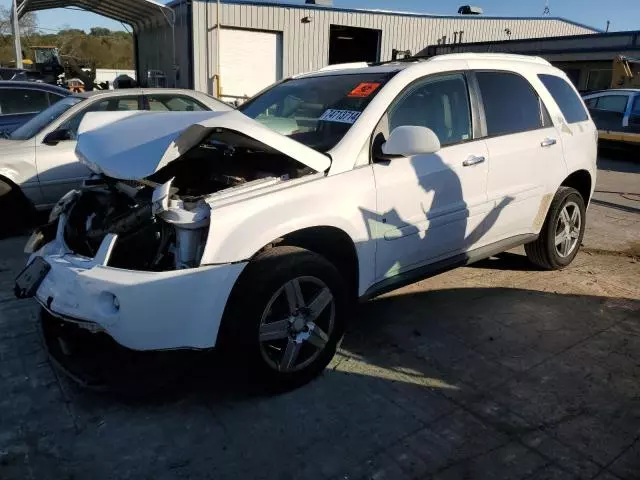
x=15 y=26
x=608 y=25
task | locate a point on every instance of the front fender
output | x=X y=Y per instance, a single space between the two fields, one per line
x=239 y=230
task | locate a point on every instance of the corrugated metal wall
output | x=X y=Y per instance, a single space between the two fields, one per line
x=155 y=49
x=306 y=45
x=610 y=42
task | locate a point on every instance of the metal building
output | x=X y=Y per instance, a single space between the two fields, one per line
x=257 y=43
x=588 y=60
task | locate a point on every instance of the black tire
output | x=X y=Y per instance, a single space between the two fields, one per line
x=266 y=275
x=543 y=252
x=16 y=214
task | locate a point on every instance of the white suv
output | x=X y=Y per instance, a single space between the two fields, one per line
x=252 y=230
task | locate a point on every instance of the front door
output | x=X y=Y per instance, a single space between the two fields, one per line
x=429 y=206
x=58 y=167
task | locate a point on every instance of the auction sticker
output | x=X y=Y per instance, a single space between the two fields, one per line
x=341 y=116
x=363 y=90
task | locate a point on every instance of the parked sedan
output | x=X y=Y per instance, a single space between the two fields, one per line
x=616 y=113
x=21 y=101
x=38 y=163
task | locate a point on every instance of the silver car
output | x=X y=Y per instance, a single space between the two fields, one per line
x=37 y=161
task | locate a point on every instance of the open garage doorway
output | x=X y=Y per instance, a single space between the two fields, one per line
x=353 y=44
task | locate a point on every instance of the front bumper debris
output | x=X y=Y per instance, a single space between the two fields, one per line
x=95 y=361
x=139 y=310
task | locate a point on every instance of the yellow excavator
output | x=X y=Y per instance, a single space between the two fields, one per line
x=626 y=72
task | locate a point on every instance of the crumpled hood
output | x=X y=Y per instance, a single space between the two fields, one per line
x=135 y=145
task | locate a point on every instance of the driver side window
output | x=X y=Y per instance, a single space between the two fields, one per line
x=108 y=105
x=441 y=104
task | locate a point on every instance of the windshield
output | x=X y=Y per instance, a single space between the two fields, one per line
x=44 y=118
x=316 y=111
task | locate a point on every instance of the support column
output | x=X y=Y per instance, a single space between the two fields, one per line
x=15 y=27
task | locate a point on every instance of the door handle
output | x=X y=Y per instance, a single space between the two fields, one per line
x=547 y=142
x=473 y=160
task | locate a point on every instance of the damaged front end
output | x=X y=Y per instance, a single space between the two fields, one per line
x=149 y=227
x=123 y=255
x=136 y=225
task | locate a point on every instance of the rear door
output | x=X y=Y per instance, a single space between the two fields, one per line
x=58 y=167
x=524 y=152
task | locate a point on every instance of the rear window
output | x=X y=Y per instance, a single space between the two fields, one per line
x=316 y=111
x=511 y=105
x=565 y=96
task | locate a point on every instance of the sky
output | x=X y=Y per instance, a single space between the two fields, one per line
x=623 y=14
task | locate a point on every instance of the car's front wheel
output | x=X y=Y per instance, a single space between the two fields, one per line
x=562 y=232
x=285 y=318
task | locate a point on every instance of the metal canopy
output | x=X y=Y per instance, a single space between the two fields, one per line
x=133 y=12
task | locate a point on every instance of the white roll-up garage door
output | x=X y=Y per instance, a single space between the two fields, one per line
x=249 y=61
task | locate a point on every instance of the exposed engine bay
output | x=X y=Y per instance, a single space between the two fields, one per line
x=162 y=222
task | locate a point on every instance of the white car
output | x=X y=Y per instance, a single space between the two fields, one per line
x=252 y=230
x=37 y=160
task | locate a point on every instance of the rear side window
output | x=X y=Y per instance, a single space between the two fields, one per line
x=612 y=103
x=591 y=102
x=511 y=105
x=173 y=103
x=14 y=101
x=566 y=98
x=54 y=98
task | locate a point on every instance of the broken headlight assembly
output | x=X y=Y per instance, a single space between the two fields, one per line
x=62 y=205
x=46 y=233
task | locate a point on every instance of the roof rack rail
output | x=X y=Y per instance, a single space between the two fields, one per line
x=414 y=58
x=343 y=66
x=490 y=56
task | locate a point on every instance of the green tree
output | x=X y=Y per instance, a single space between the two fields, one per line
x=109 y=51
x=99 y=32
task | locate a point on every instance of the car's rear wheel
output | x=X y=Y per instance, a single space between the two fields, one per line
x=285 y=317
x=16 y=213
x=562 y=232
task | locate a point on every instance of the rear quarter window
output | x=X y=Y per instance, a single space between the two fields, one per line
x=565 y=96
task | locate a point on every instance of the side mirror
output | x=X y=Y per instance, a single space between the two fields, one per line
x=57 y=136
x=409 y=140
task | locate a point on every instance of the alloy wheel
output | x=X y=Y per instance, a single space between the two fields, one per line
x=568 y=228
x=296 y=324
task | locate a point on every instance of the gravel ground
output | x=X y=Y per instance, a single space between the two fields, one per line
x=490 y=371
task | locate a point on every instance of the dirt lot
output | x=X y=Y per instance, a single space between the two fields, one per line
x=491 y=371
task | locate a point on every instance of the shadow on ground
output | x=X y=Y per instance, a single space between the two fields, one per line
x=454 y=383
